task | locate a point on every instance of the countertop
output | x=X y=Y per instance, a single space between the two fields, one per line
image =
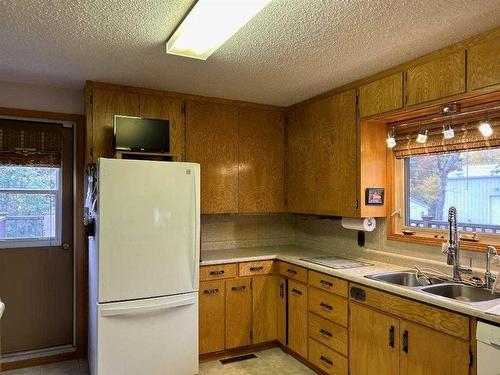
x=293 y=254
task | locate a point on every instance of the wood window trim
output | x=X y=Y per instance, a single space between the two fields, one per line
x=395 y=195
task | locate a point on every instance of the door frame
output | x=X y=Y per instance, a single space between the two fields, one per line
x=80 y=280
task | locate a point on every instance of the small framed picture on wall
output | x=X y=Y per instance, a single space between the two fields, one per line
x=374 y=196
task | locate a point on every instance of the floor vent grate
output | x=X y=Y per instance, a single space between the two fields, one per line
x=237 y=359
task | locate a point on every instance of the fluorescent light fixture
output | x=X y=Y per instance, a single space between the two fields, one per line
x=485 y=129
x=448 y=132
x=422 y=136
x=209 y=24
x=391 y=141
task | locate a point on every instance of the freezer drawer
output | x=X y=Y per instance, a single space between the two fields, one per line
x=157 y=336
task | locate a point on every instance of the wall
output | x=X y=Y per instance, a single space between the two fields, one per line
x=41 y=98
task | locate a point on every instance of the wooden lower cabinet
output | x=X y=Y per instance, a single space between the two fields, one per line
x=297 y=317
x=427 y=351
x=327 y=359
x=238 y=312
x=373 y=342
x=212 y=316
x=264 y=308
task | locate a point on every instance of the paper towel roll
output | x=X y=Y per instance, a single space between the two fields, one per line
x=367 y=224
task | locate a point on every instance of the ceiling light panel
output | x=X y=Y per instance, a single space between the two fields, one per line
x=209 y=24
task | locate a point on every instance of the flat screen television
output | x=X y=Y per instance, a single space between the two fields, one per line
x=141 y=134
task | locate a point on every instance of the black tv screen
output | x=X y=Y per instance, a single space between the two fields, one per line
x=140 y=134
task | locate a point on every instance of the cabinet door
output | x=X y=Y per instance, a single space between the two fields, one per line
x=336 y=155
x=297 y=317
x=483 y=62
x=373 y=342
x=264 y=289
x=212 y=141
x=438 y=78
x=261 y=160
x=381 y=96
x=212 y=316
x=106 y=104
x=281 y=322
x=426 y=351
x=300 y=172
x=238 y=313
x=165 y=108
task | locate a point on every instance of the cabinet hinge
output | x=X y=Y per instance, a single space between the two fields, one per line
x=91 y=99
x=251 y=335
x=183 y=108
x=356 y=204
x=471 y=358
x=251 y=284
x=91 y=151
x=357 y=96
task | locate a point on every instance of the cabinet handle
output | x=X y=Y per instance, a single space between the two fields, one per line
x=219 y=272
x=238 y=288
x=326 y=306
x=405 y=341
x=325 y=332
x=391 y=337
x=297 y=292
x=256 y=268
x=326 y=360
x=211 y=291
x=292 y=272
x=326 y=283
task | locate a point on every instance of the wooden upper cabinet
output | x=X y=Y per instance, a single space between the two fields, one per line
x=426 y=351
x=381 y=96
x=373 y=342
x=212 y=141
x=483 y=62
x=106 y=104
x=261 y=160
x=438 y=78
x=165 y=108
x=336 y=155
x=300 y=164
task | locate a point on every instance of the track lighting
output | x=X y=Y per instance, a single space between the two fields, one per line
x=422 y=136
x=448 y=132
x=485 y=129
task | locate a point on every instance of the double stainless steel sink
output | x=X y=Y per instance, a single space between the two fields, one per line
x=436 y=286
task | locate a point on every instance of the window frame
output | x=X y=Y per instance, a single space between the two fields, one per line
x=13 y=243
x=397 y=186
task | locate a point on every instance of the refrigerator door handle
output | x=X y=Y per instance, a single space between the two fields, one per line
x=196 y=261
x=116 y=311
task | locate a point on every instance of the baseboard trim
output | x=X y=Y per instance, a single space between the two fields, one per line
x=38 y=357
x=238 y=351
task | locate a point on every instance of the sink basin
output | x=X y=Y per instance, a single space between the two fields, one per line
x=403 y=278
x=462 y=292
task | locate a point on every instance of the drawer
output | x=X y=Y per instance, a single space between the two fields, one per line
x=329 y=283
x=327 y=359
x=293 y=272
x=256 y=268
x=328 y=306
x=328 y=333
x=218 y=271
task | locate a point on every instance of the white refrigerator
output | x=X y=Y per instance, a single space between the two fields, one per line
x=144 y=269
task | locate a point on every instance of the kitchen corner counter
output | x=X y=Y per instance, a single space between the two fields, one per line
x=294 y=254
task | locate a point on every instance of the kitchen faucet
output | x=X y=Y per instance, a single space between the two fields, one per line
x=489 y=279
x=452 y=250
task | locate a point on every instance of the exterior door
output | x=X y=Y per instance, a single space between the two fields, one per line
x=36 y=235
x=373 y=342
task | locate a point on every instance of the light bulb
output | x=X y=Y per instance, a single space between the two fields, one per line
x=448 y=132
x=485 y=129
x=391 y=141
x=422 y=136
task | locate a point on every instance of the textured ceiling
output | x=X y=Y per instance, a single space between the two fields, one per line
x=292 y=50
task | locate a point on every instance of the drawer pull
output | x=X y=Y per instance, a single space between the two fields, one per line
x=326 y=360
x=291 y=272
x=326 y=306
x=238 y=288
x=256 y=268
x=215 y=273
x=358 y=294
x=325 y=332
x=211 y=291
x=297 y=292
x=326 y=283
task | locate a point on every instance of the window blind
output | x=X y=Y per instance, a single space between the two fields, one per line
x=467 y=137
x=30 y=143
